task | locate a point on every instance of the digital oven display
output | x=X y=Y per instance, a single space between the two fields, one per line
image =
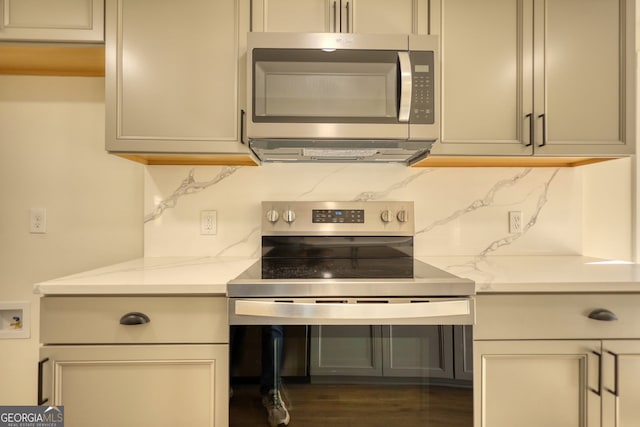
x=338 y=216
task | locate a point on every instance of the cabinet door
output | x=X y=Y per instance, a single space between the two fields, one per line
x=584 y=71
x=621 y=395
x=46 y=20
x=385 y=17
x=486 y=76
x=147 y=386
x=174 y=75
x=463 y=352
x=346 y=16
x=303 y=16
x=536 y=383
x=418 y=351
x=352 y=350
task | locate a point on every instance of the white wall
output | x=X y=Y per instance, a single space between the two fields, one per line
x=52 y=156
x=608 y=209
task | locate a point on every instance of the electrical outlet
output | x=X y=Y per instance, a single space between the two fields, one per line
x=515 y=222
x=38 y=220
x=208 y=222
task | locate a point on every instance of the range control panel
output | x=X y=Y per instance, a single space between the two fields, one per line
x=337 y=215
x=375 y=218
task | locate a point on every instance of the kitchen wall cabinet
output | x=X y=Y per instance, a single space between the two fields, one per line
x=175 y=76
x=52 y=21
x=542 y=360
x=536 y=77
x=342 y=16
x=171 y=370
x=410 y=351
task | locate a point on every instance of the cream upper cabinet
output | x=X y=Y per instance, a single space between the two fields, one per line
x=345 y=16
x=175 y=75
x=523 y=77
x=52 y=20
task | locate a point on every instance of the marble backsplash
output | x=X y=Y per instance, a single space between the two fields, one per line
x=458 y=211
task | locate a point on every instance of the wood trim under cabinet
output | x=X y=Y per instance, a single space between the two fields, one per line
x=191 y=159
x=461 y=161
x=52 y=60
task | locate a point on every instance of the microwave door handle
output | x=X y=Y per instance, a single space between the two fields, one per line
x=406 y=85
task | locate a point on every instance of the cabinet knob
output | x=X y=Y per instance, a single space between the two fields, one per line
x=603 y=314
x=134 y=318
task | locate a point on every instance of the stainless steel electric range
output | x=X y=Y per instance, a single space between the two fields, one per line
x=337 y=262
x=373 y=336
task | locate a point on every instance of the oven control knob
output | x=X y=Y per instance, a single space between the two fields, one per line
x=272 y=216
x=288 y=216
x=386 y=215
x=402 y=216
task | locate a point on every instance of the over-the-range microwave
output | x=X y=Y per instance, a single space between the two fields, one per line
x=342 y=97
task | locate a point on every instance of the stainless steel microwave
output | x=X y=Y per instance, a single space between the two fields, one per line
x=342 y=97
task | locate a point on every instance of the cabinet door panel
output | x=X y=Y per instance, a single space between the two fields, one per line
x=582 y=71
x=346 y=350
x=60 y=20
x=536 y=383
x=486 y=79
x=463 y=352
x=384 y=17
x=172 y=75
x=624 y=410
x=418 y=351
x=305 y=16
x=159 y=386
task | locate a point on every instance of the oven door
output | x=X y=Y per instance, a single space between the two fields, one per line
x=354 y=361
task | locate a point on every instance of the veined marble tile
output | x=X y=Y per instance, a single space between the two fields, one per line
x=458 y=211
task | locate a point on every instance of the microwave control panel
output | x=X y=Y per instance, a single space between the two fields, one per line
x=423 y=91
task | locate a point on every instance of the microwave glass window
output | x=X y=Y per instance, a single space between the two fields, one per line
x=344 y=90
x=328 y=87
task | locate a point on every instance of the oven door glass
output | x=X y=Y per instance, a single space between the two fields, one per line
x=352 y=375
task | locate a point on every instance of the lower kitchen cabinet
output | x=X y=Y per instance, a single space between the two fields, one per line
x=565 y=360
x=148 y=386
x=408 y=351
x=621 y=388
x=150 y=361
x=536 y=383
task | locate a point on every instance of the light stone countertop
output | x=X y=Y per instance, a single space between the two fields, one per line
x=151 y=276
x=209 y=275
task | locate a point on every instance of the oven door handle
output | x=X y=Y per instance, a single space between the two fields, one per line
x=338 y=311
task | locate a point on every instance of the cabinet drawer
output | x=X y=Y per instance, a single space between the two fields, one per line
x=558 y=316
x=96 y=320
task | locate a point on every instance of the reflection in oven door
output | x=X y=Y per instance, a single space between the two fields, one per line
x=359 y=375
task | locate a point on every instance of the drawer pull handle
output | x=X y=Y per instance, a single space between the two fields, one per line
x=603 y=315
x=134 y=318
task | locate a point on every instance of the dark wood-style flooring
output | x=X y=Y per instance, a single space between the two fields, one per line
x=315 y=405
